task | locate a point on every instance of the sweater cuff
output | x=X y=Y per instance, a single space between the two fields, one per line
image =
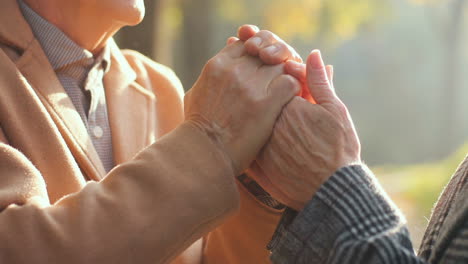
x=350 y=202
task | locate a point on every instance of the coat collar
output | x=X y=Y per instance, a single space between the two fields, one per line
x=131 y=107
x=456 y=216
x=14 y=30
x=128 y=107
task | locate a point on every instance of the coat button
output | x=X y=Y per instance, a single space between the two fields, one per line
x=98 y=132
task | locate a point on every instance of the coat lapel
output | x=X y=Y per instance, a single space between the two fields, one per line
x=131 y=108
x=456 y=217
x=36 y=68
x=34 y=65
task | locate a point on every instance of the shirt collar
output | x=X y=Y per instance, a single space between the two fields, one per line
x=58 y=47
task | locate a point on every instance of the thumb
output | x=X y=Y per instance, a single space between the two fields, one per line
x=317 y=79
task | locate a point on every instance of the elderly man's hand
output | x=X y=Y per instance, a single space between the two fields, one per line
x=266 y=45
x=309 y=142
x=237 y=100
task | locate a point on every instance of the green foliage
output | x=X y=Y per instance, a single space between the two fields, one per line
x=421 y=185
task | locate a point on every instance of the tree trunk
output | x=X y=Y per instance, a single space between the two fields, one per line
x=197 y=40
x=449 y=136
x=140 y=37
x=164 y=34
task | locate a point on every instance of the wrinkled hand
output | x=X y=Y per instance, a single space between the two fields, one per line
x=236 y=101
x=309 y=142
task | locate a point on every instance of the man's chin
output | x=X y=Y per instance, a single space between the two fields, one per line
x=131 y=16
x=135 y=20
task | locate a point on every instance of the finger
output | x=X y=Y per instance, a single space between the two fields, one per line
x=282 y=89
x=262 y=39
x=247 y=31
x=278 y=52
x=234 y=50
x=298 y=71
x=271 y=48
x=317 y=79
x=231 y=40
x=329 y=69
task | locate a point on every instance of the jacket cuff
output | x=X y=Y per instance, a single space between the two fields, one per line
x=351 y=202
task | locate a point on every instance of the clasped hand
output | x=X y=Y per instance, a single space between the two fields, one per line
x=273 y=116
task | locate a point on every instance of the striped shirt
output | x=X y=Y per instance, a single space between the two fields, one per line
x=81 y=75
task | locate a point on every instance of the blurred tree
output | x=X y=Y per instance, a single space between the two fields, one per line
x=449 y=27
x=451 y=85
x=197 y=38
x=141 y=37
x=167 y=28
x=399 y=73
x=328 y=21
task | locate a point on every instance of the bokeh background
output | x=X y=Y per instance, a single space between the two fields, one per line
x=401 y=66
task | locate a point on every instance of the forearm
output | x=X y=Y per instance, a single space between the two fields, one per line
x=349 y=220
x=145 y=211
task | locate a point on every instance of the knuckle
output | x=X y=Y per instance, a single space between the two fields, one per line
x=267 y=36
x=276 y=49
x=215 y=64
x=280 y=45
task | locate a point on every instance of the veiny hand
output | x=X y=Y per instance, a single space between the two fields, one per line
x=236 y=101
x=309 y=142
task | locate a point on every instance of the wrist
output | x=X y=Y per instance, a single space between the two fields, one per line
x=213 y=134
x=299 y=205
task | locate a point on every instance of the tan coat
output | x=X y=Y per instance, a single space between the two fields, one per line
x=58 y=206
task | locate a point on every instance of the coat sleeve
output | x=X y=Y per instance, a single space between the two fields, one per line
x=145 y=211
x=243 y=237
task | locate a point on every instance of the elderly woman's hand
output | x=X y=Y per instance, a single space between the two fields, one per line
x=310 y=141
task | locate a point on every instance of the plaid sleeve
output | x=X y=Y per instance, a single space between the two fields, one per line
x=349 y=220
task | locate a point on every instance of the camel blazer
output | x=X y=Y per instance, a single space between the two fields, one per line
x=172 y=185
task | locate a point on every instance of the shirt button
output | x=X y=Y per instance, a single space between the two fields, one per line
x=98 y=132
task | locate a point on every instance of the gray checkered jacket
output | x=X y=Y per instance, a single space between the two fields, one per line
x=351 y=220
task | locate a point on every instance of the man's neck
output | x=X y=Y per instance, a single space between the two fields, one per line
x=90 y=31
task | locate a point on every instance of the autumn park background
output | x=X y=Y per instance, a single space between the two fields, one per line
x=401 y=66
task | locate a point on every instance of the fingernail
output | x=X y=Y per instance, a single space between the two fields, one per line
x=271 y=49
x=256 y=41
